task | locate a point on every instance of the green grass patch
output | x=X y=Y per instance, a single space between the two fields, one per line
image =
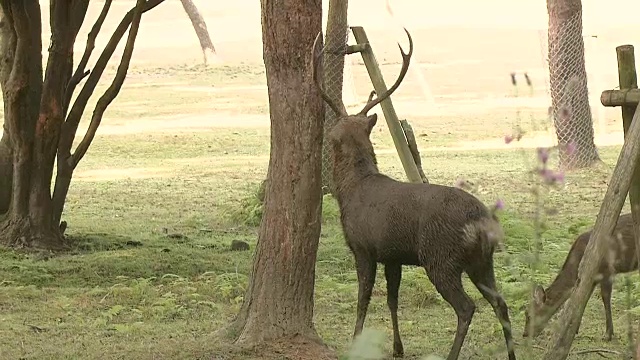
x=152 y=214
x=152 y=272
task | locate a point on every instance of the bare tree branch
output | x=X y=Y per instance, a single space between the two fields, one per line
x=78 y=13
x=113 y=90
x=75 y=114
x=80 y=72
x=66 y=161
x=200 y=27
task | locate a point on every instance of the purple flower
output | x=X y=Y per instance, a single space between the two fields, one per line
x=558 y=177
x=508 y=139
x=543 y=155
x=544 y=172
x=551 y=177
x=499 y=204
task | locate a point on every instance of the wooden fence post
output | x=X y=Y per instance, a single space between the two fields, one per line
x=399 y=140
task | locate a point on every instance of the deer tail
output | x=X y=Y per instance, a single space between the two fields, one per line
x=486 y=233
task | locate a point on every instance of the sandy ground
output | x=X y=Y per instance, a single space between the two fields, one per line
x=464 y=52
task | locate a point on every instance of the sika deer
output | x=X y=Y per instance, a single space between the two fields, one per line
x=622 y=259
x=443 y=229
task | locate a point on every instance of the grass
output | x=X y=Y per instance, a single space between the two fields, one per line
x=152 y=215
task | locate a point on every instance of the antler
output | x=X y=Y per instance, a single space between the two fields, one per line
x=339 y=110
x=405 y=66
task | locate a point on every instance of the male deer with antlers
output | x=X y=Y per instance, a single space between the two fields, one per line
x=444 y=229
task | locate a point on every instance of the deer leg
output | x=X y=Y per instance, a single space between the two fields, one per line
x=366 y=270
x=606 y=287
x=393 y=274
x=483 y=277
x=448 y=282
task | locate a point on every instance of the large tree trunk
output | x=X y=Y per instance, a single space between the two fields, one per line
x=279 y=300
x=568 y=83
x=200 y=27
x=22 y=93
x=7 y=52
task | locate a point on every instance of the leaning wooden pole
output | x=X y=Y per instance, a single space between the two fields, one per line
x=397 y=133
x=619 y=186
x=628 y=81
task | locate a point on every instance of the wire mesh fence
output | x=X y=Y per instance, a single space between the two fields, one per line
x=570 y=110
x=333 y=72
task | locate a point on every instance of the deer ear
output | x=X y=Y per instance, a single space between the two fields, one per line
x=372 y=120
x=539 y=295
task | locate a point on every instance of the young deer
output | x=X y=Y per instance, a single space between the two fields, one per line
x=621 y=259
x=443 y=229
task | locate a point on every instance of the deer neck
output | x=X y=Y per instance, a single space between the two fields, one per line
x=558 y=292
x=348 y=174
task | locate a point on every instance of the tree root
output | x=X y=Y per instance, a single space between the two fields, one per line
x=22 y=234
x=296 y=347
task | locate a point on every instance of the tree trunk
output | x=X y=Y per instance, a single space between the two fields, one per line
x=22 y=93
x=7 y=46
x=279 y=300
x=6 y=171
x=568 y=83
x=200 y=26
x=33 y=114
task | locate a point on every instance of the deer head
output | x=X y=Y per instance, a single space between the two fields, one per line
x=351 y=148
x=339 y=108
x=537 y=311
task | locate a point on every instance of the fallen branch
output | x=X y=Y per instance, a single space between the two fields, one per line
x=600 y=352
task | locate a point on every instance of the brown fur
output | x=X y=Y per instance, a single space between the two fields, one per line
x=443 y=229
x=621 y=259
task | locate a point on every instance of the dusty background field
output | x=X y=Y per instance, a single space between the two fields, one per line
x=465 y=51
x=170 y=181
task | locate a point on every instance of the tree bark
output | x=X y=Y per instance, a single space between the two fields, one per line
x=36 y=109
x=200 y=27
x=568 y=83
x=22 y=93
x=7 y=52
x=279 y=299
x=66 y=19
x=6 y=170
